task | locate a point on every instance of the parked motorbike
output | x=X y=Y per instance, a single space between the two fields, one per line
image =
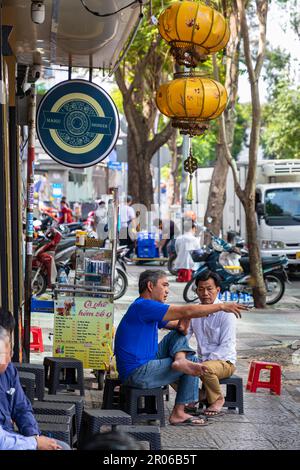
x=209 y=258
x=121 y=280
x=172 y=255
x=41 y=262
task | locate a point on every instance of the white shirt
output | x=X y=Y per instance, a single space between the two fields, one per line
x=185 y=243
x=216 y=336
x=15 y=441
x=127 y=214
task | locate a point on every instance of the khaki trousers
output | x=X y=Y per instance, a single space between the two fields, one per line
x=216 y=370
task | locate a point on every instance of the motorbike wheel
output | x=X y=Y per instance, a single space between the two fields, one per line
x=171 y=262
x=275 y=287
x=189 y=293
x=121 y=283
x=38 y=283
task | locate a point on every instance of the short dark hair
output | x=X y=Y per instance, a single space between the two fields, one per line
x=208 y=275
x=7 y=320
x=150 y=275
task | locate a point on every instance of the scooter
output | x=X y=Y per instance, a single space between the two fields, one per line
x=40 y=263
x=209 y=258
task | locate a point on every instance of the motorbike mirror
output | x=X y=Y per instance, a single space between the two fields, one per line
x=260 y=209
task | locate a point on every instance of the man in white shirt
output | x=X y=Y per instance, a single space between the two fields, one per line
x=216 y=339
x=184 y=244
x=127 y=233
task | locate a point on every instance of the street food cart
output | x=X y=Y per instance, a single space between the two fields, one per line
x=83 y=310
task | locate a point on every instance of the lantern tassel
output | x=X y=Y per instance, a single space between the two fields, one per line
x=189 y=196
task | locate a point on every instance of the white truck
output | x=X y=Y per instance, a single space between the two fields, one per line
x=277 y=206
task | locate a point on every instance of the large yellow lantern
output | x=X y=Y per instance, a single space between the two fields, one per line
x=191 y=101
x=193 y=31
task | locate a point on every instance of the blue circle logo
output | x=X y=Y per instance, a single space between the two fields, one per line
x=77 y=123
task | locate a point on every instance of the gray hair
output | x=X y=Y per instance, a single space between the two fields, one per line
x=150 y=275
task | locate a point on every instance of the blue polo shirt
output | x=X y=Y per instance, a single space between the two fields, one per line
x=136 y=341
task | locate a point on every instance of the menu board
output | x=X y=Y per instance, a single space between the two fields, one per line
x=83 y=330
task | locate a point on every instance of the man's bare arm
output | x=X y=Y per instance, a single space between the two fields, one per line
x=177 y=312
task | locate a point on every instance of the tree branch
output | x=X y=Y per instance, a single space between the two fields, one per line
x=159 y=140
x=245 y=35
x=132 y=116
x=262 y=11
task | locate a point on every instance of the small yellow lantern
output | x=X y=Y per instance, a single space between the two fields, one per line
x=191 y=101
x=193 y=30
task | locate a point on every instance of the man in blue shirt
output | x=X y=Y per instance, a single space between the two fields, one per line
x=143 y=363
x=14 y=405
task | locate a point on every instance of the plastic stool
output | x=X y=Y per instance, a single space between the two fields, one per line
x=94 y=419
x=150 y=434
x=74 y=400
x=39 y=373
x=58 y=420
x=37 y=339
x=27 y=380
x=152 y=409
x=60 y=409
x=56 y=431
x=62 y=374
x=234 y=393
x=111 y=396
x=184 y=275
x=274 y=383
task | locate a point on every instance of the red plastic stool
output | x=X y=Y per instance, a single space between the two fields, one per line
x=275 y=376
x=184 y=275
x=37 y=339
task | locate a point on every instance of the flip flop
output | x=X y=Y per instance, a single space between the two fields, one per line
x=193 y=411
x=191 y=422
x=213 y=413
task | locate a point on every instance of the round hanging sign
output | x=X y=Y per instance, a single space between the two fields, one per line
x=77 y=123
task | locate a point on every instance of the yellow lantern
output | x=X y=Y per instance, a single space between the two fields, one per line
x=193 y=30
x=191 y=101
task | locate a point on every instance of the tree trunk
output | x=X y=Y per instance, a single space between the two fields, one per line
x=133 y=169
x=257 y=280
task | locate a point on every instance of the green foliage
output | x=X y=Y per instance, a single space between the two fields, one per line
x=42 y=88
x=275 y=68
x=117 y=97
x=204 y=148
x=243 y=117
x=281 y=136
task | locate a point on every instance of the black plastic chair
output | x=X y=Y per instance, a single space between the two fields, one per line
x=60 y=374
x=143 y=404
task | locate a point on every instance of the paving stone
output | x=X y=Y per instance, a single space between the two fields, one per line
x=282 y=437
x=238 y=436
x=292 y=375
x=187 y=437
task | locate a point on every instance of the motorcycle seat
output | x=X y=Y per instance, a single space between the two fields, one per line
x=267 y=261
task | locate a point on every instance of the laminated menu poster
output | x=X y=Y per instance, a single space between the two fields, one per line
x=83 y=330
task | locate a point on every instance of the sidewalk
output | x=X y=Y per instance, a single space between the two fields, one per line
x=269 y=421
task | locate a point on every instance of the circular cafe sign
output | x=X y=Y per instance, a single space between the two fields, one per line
x=77 y=123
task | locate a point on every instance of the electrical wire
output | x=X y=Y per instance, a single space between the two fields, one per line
x=108 y=14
